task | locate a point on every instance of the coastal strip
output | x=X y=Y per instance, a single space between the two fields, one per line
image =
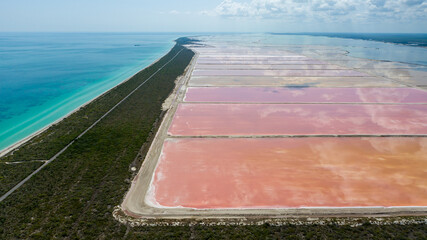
x=74 y=194
x=41 y=145
x=16 y=145
x=83 y=133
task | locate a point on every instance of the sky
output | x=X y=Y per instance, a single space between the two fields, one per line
x=398 y=16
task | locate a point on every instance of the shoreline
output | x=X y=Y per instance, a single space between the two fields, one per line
x=420 y=45
x=16 y=145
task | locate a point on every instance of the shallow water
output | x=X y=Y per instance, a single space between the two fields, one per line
x=291 y=172
x=352 y=47
x=193 y=119
x=44 y=76
x=304 y=95
x=226 y=147
x=281 y=73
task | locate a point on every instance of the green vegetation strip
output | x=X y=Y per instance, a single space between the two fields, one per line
x=11 y=173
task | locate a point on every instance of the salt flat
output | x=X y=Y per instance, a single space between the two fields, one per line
x=287 y=131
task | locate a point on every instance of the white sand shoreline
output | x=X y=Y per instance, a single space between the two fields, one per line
x=19 y=143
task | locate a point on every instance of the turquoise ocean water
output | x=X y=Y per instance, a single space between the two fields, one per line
x=45 y=76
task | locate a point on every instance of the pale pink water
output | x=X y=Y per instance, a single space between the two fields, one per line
x=253 y=58
x=294 y=73
x=292 y=173
x=305 y=95
x=298 y=119
x=260 y=62
x=269 y=67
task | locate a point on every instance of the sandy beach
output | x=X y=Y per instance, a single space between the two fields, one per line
x=16 y=145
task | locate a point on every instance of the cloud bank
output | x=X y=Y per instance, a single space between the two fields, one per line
x=325 y=10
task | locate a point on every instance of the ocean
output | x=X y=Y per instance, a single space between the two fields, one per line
x=45 y=76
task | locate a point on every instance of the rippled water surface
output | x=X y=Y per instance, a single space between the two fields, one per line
x=44 y=76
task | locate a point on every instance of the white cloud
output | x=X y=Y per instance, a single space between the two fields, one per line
x=324 y=10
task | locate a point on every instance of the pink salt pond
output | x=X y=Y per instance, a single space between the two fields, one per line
x=268 y=67
x=294 y=73
x=260 y=62
x=253 y=58
x=298 y=119
x=305 y=95
x=221 y=173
